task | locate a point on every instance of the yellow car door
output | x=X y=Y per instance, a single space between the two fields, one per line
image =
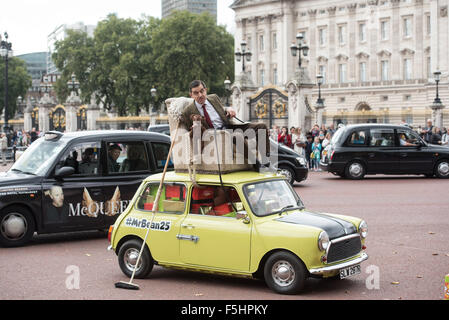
x=209 y=239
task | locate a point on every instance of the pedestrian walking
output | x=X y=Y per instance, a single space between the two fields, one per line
x=4 y=145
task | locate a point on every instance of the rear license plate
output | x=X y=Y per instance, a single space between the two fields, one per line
x=350 y=271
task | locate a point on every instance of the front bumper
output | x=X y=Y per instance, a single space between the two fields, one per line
x=301 y=173
x=336 y=267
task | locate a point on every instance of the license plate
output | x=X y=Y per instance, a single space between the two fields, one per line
x=350 y=271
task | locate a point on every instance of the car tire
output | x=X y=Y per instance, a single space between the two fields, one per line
x=442 y=169
x=288 y=173
x=17 y=226
x=127 y=258
x=355 y=170
x=284 y=273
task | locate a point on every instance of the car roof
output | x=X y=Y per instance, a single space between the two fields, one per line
x=374 y=125
x=113 y=134
x=228 y=178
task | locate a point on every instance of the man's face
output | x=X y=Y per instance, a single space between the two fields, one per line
x=115 y=153
x=57 y=196
x=199 y=94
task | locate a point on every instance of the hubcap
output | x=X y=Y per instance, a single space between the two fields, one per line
x=283 y=273
x=355 y=169
x=130 y=259
x=443 y=168
x=13 y=226
x=286 y=173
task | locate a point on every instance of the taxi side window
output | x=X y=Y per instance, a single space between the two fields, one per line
x=381 y=138
x=83 y=157
x=215 y=201
x=172 y=198
x=126 y=157
x=160 y=151
x=357 y=138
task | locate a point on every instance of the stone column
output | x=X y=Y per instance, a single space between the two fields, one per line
x=241 y=90
x=27 y=122
x=73 y=102
x=437 y=114
x=93 y=113
x=45 y=104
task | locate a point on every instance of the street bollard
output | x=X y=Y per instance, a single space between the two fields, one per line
x=446 y=287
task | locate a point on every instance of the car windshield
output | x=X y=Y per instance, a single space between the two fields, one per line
x=271 y=197
x=38 y=158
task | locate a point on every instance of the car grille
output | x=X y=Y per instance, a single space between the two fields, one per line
x=342 y=248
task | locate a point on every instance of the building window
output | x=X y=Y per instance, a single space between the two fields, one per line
x=429 y=68
x=384 y=30
x=385 y=70
x=275 y=76
x=342 y=72
x=262 y=77
x=407 y=69
x=275 y=41
x=428 y=25
x=362 y=71
x=248 y=43
x=362 y=32
x=342 y=34
x=407 y=25
x=322 y=36
x=261 y=43
x=322 y=71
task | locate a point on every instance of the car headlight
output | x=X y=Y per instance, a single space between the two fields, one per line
x=363 y=229
x=301 y=161
x=323 y=241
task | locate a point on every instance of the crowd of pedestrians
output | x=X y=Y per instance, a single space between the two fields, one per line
x=434 y=135
x=21 y=138
x=311 y=144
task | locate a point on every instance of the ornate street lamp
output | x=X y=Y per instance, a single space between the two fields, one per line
x=319 y=101
x=299 y=46
x=153 y=92
x=73 y=84
x=241 y=55
x=6 y=53
x=437 y=75
x=227 y=85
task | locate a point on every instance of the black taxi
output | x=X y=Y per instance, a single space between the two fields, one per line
x=76 y=181
x=360 y=149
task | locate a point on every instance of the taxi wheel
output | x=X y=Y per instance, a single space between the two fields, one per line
x=127 y=259
x=288 y=173
x=284 y=273
x=442 y=169
x=16 y=226
x=355 y=170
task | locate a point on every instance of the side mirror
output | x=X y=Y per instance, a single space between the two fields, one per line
x=64 y=172
x=244 y=216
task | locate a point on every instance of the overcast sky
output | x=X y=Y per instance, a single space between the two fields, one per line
x=29 y=22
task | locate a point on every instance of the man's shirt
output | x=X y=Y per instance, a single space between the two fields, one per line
x=213 y=114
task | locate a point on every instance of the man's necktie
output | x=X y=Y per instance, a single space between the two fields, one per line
x=206 y=115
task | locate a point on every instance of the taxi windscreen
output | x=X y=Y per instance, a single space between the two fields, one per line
x=39 y=156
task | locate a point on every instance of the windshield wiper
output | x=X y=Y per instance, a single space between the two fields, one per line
x=26 y=172
x=289 y=207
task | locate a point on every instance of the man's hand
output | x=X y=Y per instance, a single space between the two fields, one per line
x=230 y=112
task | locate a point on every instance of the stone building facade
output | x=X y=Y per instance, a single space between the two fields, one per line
x=377 y=56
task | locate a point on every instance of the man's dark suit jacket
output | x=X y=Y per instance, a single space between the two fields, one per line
x=214 y=100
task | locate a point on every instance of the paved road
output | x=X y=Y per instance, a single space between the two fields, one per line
x=407 y=243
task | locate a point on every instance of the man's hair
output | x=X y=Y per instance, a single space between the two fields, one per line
x=196 y=83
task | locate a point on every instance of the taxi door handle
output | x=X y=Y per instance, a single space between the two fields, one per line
x=188 y=226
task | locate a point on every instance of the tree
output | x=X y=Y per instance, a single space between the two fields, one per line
x=190 y=46
x=126 y=58
x=18 y=83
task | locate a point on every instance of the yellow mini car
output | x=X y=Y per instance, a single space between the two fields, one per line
x=248 y=224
